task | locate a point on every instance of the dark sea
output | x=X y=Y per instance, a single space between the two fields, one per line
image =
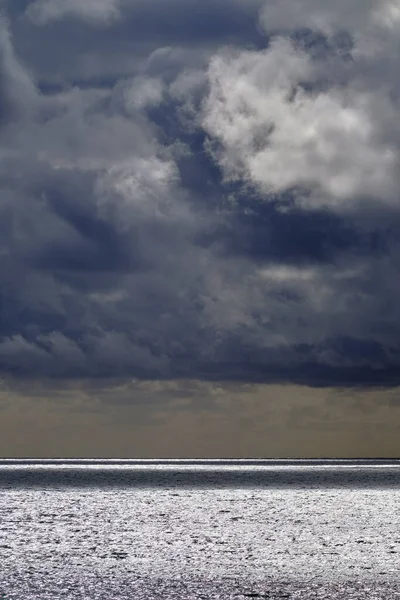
x=206 y=529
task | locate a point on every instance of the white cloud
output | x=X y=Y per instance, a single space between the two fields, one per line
x=142 y=185
x=334 y=141
x=98 y=12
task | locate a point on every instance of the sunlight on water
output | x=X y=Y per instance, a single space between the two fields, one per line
x=117 y=537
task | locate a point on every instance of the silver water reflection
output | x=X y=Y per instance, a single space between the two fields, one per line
x=77 y=529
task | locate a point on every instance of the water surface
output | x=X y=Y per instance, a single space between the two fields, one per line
x=199 y=529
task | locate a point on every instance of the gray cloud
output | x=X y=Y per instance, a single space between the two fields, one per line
x=42 y=12
x=185 y=196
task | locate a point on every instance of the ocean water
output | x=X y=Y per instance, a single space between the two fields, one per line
x=146 y=530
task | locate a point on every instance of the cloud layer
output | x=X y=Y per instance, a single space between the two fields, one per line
x=207 y=193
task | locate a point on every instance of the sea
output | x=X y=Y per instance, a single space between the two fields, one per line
x=199 y=529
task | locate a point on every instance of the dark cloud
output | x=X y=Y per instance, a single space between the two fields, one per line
x=181 y=197
x=63 y=44
x=264 y=233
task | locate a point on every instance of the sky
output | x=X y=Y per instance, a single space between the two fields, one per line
x=200 y=228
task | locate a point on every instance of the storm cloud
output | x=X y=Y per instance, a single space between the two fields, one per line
x=200 y=190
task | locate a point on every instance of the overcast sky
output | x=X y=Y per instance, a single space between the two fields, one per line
x=200 y=227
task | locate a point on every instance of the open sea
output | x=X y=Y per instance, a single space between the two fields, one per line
x=205 y=529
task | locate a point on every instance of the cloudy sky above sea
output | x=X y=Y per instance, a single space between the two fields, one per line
x=200 y=228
